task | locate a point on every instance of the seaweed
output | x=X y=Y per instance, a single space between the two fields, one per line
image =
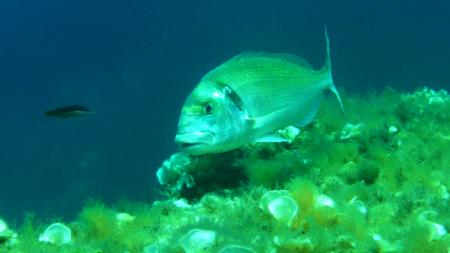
x=381 y=188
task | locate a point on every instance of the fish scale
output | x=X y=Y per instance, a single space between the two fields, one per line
x=249 y=98
x=268 y=83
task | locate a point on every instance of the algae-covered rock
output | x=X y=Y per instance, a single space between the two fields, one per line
x=379 y=184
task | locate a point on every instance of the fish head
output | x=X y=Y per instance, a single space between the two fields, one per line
x=211 y=120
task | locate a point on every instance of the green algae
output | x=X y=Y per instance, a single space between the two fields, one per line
x=375 y=180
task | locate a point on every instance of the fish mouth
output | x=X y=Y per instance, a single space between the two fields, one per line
x=187 y=145
x=193 y=141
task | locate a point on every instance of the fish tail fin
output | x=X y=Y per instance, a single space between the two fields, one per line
x=327 y=65
x=327 y=70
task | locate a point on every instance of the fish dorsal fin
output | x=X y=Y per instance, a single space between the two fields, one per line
x=291 y=58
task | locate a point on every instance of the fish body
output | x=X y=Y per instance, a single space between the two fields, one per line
x=69 y=111
x=249 y=98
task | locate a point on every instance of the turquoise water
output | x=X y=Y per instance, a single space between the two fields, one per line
x=133 y=64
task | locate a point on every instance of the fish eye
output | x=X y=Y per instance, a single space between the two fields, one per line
x=208 y=109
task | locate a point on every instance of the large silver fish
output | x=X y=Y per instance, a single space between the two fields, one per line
x=249 y=98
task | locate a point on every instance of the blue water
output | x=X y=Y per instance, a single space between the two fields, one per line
x=134 y=62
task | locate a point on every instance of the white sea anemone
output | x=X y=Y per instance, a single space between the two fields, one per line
x=437 y=231
x=280 y=204
x=3 y=227
x=358 y=205
x=324 y=201
x=56 y=233
x=198 y=240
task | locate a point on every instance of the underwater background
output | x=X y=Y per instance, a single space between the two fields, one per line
x=134 y=63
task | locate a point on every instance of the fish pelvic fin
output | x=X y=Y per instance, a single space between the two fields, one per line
x=328 y=71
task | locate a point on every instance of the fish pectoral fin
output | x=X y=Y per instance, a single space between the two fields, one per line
x=267 y=119
x=274 y=137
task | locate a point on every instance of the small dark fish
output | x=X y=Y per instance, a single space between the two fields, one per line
x=69 y=111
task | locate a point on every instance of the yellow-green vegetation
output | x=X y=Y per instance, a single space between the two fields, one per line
x=374 y=180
